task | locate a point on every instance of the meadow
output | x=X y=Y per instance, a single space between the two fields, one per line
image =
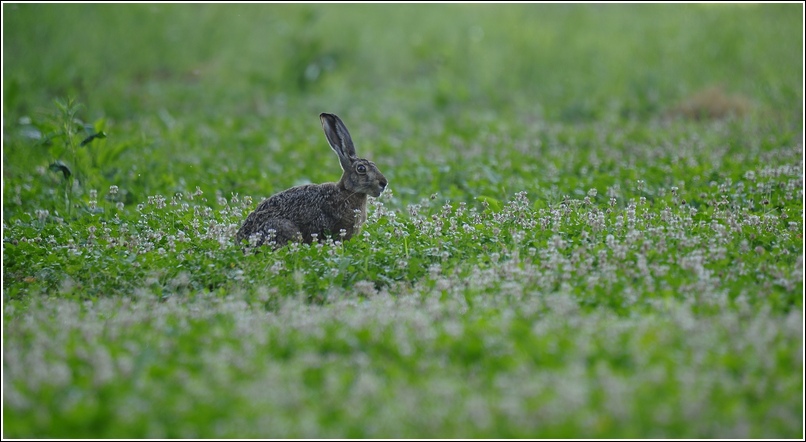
x=593 y=226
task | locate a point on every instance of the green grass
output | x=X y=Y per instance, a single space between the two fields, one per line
x=593 y=227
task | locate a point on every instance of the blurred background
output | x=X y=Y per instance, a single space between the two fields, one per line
x=227 y=84
x=570 y=62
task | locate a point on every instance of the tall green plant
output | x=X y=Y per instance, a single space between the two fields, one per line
x=67 y=135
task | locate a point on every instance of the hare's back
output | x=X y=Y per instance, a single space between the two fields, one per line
x=295 y=202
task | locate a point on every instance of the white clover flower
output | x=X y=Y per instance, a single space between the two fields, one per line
x=93 y=203
x=640 y=184
x=366 y=288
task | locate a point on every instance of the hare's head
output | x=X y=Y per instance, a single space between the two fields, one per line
x=360 y=175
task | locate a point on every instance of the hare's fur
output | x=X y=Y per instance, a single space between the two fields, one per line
x=316 y=211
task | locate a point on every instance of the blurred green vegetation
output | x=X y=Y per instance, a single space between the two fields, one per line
x=593 y=228
x=562 y=61
x=226 y=96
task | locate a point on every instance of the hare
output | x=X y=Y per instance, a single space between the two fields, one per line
x=314 y=211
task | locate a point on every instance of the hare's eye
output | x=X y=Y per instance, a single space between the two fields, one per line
x=361 y=168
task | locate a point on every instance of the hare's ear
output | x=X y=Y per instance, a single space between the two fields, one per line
x=339 y=139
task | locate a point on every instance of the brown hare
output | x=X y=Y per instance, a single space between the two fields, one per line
x=316 y=211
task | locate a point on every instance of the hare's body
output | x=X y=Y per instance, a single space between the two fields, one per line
x=297 y=213
x=317 y=211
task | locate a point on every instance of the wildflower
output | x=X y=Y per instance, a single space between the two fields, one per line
x=558 y=242
x=640 y=184
x=446 y=209
x=158 y=201
x=365 y=288
x=631 y=215
x=461 y=209
x=93 y=199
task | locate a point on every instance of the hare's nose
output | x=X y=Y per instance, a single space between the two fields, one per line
x=383 y=183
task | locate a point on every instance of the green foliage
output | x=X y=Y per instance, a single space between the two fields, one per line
x=593 y=228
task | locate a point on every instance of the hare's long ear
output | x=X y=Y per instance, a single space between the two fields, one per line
x=339 y=139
